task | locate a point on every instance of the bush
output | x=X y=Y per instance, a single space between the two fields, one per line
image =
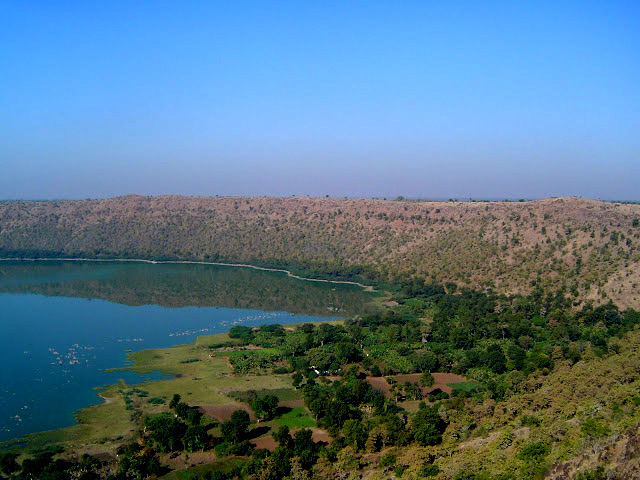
x=387 y=460
x=429 y=471
x=534 y=452
x=530 y=421
x=399 y=470
x=427 y=380
x=596 y=474
x=594 y=429
x=428 y=426
x=242 y=333
x=222 y=449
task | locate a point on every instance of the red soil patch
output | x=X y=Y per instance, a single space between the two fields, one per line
x=270 y=444
x=441 y=381
x=223 y=412
x=184 y=460
x=320 y=435
x=380 y=383
x=409 y=377
x=265 y=442
x=449 y=378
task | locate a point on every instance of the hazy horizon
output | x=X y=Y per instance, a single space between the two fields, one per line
x=340 y=197
x=358 y=99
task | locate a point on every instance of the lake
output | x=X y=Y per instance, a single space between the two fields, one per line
x=62 y=323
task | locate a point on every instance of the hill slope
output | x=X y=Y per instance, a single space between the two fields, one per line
x=592 y=248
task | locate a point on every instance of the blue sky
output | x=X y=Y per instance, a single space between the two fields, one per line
x=354 y=98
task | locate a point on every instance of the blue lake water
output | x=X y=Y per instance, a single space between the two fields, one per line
x=63 y=323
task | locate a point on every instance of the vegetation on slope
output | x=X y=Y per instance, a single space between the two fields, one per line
x=590 y=248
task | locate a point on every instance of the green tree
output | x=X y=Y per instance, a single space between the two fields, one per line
x=495 y=359
x=387 y=460
x=297 y=379
x=242 y=333
x=174 y=401
x=196 y=438
x=428 y=426
x=517 y=355
x=265 y=406
x=283 y=437
x=424 y=361
x=533 y=455
x=8 y=464
x=355 y=434
x=235 y=429
x=427 y=380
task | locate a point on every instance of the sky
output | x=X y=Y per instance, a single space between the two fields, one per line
x=359 y=98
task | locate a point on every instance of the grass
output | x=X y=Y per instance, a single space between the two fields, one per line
x=247 y=353
x=200 y=379
x=298 y=417
x=469 y=387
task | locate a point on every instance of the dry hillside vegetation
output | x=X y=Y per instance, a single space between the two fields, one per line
x=591 y=248
x=587 y=413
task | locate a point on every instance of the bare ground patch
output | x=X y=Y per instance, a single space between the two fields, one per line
x=224 y=412
x=441 y=382
x=381 y=384
x=265 y=442
x=270 y=444
x=185 y=460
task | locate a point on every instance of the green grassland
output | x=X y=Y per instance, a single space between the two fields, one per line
x=298 y=417
x=207 y=381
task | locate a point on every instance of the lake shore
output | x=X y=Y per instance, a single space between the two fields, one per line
x=78 y=341
x=102 y=426
x=366 y=288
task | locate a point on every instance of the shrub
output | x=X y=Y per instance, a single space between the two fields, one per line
x=399 y=470
x=534 y=452
x=387 y=460
x=596 y=474
x=426 y=380
x=530 y=421
x=429 y=471
x=594 y=429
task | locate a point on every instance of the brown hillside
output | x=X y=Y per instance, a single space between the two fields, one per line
x=590 y=247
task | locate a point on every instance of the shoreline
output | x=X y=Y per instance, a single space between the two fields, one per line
x=105 y=400
x=366 y=288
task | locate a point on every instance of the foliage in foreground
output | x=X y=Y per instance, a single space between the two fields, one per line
x=548 y=383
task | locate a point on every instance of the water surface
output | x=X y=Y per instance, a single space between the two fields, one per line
x=63 y=323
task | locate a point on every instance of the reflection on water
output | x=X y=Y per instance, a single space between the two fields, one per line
x=63 y=323
x=180 y=285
